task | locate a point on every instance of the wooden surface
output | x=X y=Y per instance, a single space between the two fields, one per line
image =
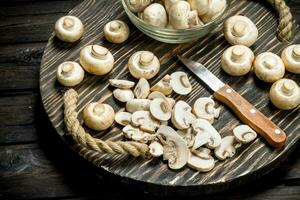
x=34 y=162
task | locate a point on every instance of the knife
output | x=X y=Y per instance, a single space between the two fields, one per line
x=245 y=111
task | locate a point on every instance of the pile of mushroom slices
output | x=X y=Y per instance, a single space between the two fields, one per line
x=150 y=112
x=177 y=14
x=239 y=59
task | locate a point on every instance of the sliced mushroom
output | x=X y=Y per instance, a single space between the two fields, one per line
x=155 y=14
x=160 y=109
x=116 y=31
x=182 y=116
x=69 y=74
x=156 y=94
x=144 y=120
x=206 y=134
x=136 y=134
x=244 y=134
x=138 y=5
x=175 y=148
x=156 y=149
x=201 y=161
x=204 y=108
x=137 y=104
x=188 y=136
x=123 y=95
x=163 y=85
x=180 y=83
x=142 y=89
x=227 y=148
x=291 y=58
x=68 y=28
x=123 y=118
x=123 y=84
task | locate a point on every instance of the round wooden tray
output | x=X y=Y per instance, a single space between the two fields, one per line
x=250 y=162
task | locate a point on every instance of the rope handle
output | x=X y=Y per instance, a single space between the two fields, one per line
x=86 y=140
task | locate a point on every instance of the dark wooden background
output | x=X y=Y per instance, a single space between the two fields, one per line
x=34 y=161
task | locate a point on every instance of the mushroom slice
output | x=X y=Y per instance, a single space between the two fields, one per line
x=180 y=83
x=204 y=109
x=182 y=116
x=227 y=148
x=188 y=136
x=206 y=134
x=144 y=120
x=244 y=134
x=123 y=118
x=136 y=134
x=137 y=104
x=201 y=161
x=123 y=95
x=123 y=84
x=142 y=89
x=157 y=94
x=163 y=85
x=175 y=148
x=156 y=149
x=160 y=109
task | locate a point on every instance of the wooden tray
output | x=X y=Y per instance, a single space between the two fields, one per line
x=153 y=176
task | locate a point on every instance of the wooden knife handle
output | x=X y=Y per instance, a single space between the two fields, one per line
x=251 y=116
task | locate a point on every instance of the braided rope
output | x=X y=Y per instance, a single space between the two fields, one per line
x=284 y=32
x=86 y=140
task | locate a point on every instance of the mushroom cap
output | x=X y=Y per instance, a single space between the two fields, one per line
x=68 y=28
x=98 y=116
x=96 y=59
x=142 y=89
x=285 y=94
x=291 y=58
x=201 y=161
x=156 y=149
x=175 y=149
x=69 y=73
x=116 y=31
x=244 y=134
x=123 y=84
x=138 y=104
x=123 y=95
x=155 y=14
x=227 y=148
x=137 y=5
x=268 y=67
x=202 y=6
x=143 y=64
x=182 y=116
x=204 y=108
x=169 y=3
x=163 y=85
x=240 y=30
x=123 y=118
x=178 y=15
x=180 y=83
x=237 y=60
x=160 y=109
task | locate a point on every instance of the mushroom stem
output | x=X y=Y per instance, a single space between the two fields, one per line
x=99 y=51
x=99 y=109
x=237 y=53
x=146 y=58
x=287 y=88
x=296 y=52
x=239 y=28
x=67 y=69
x=115 y=26
x=68 y=23
x=270 y=62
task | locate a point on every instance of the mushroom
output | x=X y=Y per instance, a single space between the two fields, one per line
x=137 y=5
x=136 y=134
x=123 y=84
x=268 y=67
x=123 y=95
x=143 y=64
x=182 y=116
x=291 y=58
x=244 y=134
x=116 y=31
x=240 y=30
x=144 y=120
x=201 y=161
x=68 y=28
x=237 y=60
x=155 y=14
x=156 y=94
x=142 y=89
x=208 y=9
x=137 y=104
x=98 y=116
x=160 y=109
x=96 y=59
x=204 y=108
x=285 y=94
x=180 y=83
x=123 y=118
x=156 y=149
x=227 y=148
x=163 y=85
x=205 y=134
x=169 y=4
x=69 y=73
x=188 y=136
x=175 y=149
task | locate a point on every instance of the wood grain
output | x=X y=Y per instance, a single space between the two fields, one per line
x=250 y=162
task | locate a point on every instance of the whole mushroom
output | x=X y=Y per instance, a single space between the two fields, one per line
x=116 y=31
x=143 y=64
x=96 y=59
x=291 y=58
x=98 y=116
x=268 y=67
x=237 y=60
x=285 y=94
x=69 y=73
x=169 y=3
x=155 y=14
x=68 y=28
x=138 y=5
x=240 y=30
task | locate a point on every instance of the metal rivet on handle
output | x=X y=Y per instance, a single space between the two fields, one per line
x=252 y=111
x=277 y=131
x=228 y=90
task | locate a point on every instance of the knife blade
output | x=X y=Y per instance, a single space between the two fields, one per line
x=244 y=110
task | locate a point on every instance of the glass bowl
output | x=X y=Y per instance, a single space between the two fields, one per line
x=175 y=36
